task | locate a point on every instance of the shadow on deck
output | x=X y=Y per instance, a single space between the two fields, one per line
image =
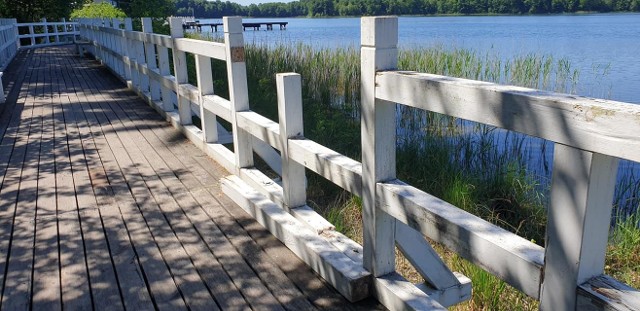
x=104 y=205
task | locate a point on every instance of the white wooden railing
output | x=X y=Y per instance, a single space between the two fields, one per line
x=8 y=41
x=14 y=35
x=589 y=135
x=44 y=33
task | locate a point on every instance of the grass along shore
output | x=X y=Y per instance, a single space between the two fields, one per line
x=475 y=167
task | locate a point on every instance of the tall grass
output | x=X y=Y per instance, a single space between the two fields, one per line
x=478 y=168
x=623 y=255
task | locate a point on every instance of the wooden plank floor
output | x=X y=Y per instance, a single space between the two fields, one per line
x=104 y=206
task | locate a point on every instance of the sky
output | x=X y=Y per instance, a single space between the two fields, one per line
x=247 y=2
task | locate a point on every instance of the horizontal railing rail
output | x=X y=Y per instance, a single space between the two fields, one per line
x=45 y=33
x=394 y=213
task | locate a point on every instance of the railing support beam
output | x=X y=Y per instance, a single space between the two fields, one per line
x=379 y=52
x=238 y=90
x=180 y=71
x=289 y=89
x=582 y=190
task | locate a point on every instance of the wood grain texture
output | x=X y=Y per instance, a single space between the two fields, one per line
x=597 y=125
x=120 y=216
x=378 y=128
x=606 y=293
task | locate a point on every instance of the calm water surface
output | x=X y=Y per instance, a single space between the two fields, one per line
x=605 y=48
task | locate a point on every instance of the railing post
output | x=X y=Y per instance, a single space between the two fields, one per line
x=117 y=46
x=578 y=223
x=82 y=32
x=107 y=43
x=142 y=61
x=289 y=89
x=56 y=32
x=129 y=72
x=17 y=33
x=152 y=64
x=168 y=97
x=379 y=52
x=32 y=32
x=205 y=87
x=96 y=24
x=129 y=52
x=238 y=89
x=2 y=98
x=180 y=70
x=46 y=30
x=97 y=36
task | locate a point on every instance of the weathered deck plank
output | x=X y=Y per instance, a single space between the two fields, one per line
x=258 y=296
x=21 y=181
x=46 y=273
x=104 y=206
x=106 y=222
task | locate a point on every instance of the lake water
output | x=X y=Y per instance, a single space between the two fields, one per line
x=605 y=48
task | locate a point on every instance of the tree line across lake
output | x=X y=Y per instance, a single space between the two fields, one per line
x=32 y=10
x=318 y=8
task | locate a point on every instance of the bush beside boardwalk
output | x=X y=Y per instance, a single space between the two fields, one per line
x=462 y=163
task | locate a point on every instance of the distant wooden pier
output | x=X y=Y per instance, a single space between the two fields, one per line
x=214 y=26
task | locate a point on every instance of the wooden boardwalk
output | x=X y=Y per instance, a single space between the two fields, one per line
x=103 y=205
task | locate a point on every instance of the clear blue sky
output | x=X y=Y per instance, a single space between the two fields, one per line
x=247 y=2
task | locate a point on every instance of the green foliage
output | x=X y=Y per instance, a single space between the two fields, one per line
x=147 y=8
x=94 y=10
x=321 y=8
x=34 y=10
x=623 y=254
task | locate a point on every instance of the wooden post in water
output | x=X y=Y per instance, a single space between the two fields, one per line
x=152 y=63
x=238 y=90
x=379 y=52
x=180 y=70
x=289 y=88
x=579 y=216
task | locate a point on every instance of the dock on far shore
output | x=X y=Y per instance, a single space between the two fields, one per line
x=197 y=25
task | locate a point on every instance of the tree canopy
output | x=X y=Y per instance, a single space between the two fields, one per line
x=32 y=10
x=147 y=8
x=318 y=8
x=94 y=10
